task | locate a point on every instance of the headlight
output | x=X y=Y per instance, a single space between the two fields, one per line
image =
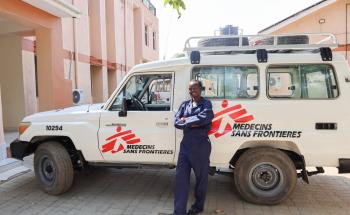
x=23 y=127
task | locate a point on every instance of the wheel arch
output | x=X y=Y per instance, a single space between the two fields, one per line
x=66 y=141
x=75 y=154
x=288 y=147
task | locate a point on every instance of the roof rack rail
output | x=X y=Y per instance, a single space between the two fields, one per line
x=233 y=43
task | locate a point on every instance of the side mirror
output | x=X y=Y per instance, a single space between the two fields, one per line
x=124 y=111
x=347 y=79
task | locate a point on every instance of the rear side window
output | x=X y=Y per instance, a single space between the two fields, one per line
x=302 y=82
x=230 y=82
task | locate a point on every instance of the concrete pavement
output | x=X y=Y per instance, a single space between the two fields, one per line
x=131 y=191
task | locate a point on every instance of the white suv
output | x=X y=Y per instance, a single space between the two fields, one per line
x=278 y=108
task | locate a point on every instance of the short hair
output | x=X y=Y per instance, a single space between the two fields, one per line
x=198 y=82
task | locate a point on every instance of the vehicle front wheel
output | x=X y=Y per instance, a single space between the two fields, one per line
x=265 y=176
x=53 y=168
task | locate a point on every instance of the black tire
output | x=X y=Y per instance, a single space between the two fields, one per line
x=53 y=168
x=265 y=176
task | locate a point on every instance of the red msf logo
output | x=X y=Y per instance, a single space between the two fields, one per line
x=127 y=137
x=235 y=113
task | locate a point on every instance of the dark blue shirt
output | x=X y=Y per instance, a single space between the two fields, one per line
x=198 y=119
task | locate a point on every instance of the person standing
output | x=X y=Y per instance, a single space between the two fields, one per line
x=194 y=117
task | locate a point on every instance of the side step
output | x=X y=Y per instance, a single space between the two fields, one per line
x=11 y=168
x=9 y=163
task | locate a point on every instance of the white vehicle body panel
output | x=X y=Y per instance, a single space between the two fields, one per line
x=87 y=126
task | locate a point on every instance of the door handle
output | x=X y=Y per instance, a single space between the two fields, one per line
x=326 y=126
x=116 y=124
x=162 y=124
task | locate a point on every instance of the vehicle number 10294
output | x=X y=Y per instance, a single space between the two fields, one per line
x=54 y=128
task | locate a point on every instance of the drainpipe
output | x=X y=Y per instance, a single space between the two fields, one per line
x=125 y=57
x=346 y=31
x=76 y=54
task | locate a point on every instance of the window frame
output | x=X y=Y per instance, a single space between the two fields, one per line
x=154 y=40
x=233 y=65
x=299 y=65
x=122 y=86
x=146 y=35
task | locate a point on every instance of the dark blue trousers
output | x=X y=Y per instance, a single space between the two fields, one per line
x=194 y=154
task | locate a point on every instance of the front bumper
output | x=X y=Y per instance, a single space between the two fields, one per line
x=19 y=149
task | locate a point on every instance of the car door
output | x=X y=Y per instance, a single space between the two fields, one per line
x=146 y=134
x=305 y=105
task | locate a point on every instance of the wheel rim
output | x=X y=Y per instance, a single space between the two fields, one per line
x=265 y=176
x=47 y=170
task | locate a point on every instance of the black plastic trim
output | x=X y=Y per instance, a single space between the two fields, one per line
x=262 y=55
x=195 y=57
x=326 y=126
x=344 y=165
x=304 y=175
x=326 y=54
x=19 y=149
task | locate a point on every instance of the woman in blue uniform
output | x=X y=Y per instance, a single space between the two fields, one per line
x=194 y=118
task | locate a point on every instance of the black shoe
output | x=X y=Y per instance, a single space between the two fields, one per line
x=194 y=211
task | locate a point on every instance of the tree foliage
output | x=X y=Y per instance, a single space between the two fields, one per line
x=178 y=5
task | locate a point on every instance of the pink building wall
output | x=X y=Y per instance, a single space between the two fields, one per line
x=336 y=22
x=21 y=77
x=110 y=40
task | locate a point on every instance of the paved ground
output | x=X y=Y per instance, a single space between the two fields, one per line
x=128 y=191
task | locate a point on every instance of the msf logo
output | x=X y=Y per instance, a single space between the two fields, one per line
x=222 y=122
x=122 y=138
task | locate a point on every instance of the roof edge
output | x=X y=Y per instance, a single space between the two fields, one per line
x=57 y=8
x=296 y=16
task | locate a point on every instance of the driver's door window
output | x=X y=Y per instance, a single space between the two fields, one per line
x=147 y=122
x=146 y=93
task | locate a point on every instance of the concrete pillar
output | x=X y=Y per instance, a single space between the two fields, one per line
x=112 y=81
x=12 y=81
x=29 y=82
x=98 y=43
x=120 y=35
x=99 y=77
x=98 y=29
x=139 y=37
x=2 y=136
x=129 y=33
x=111 y=30
x=119 y=76
x=54 y=90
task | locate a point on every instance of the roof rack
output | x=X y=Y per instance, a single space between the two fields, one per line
x=237 y=43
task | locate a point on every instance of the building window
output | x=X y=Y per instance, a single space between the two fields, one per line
x=154 y=41
x=146 y=35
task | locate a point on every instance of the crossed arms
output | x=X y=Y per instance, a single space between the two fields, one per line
x=204 y=117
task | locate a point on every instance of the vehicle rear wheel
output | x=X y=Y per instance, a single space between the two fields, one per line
x=53 y=168
x=265 y=176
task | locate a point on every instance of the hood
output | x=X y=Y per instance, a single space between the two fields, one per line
x=62 y=113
